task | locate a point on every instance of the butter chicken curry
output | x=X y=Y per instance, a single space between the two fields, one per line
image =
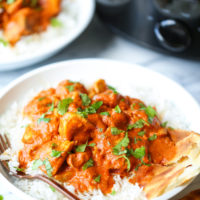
x=86 y=137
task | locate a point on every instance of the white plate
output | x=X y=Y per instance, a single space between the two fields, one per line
x=125 y=77
x=52 y=45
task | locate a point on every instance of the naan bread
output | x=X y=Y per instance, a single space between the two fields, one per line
x=182 y=169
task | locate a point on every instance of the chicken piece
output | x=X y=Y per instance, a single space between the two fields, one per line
x=28 y=137
x=12 y=7
x=108 y=97
x=50 y=7
x=23 y=22
x=98 y=87
x=78 y=159
x=65 y=88
x=73 y=126
x=55 y=153
x=119 y=120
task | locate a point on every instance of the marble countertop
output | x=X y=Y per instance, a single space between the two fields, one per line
x=98 y=42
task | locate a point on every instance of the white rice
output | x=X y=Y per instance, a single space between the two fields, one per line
x=28 y=45
x=12 y=122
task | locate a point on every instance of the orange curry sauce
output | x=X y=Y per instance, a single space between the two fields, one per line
x=86 y=137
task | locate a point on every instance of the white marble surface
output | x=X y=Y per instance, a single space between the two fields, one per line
x=98 y=42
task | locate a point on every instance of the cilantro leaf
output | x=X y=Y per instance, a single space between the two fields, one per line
x=56 y=154
x=53 y=145
x=63 y=105
x=113 y=89
x=151 y=113
x=164 y=124
x=70 y=88
x=42 y=118
x=123 y=143
x=48 y=167
x=41 y=98
x=88 y=164
x=52 y=188
x=132 y=106
x=55 y=22
x=97 y=105
x=139 y=124
x=85 y=99
x=51 y=108
x=91 y=144
x=116 y=131
x=105 y=113
x=36 y=164
x=98 y=178
x=90 y=110
x=141 y=133
x=82 y=147
x=113 y=192
x=127 y=161
x=117 y=109
x=19 y=169
x=139 y=153
x=153 y=137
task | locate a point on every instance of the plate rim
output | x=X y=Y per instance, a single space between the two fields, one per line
x=20 y=62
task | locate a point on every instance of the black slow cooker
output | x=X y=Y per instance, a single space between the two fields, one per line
x=171 y=26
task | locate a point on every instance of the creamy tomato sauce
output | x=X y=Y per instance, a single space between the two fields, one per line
x=86 y=137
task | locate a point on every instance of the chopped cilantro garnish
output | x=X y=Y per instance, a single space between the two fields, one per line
x=113 y=192
x=63 y=105
x=88 y=164
x=55 y=22
x=141 y=133
x=85 y=99
x=46 y=163
x=56 y=154
x=153 y=137
x=151 y=113
x=116 y=131
x=132 y=106
x=52 y=188
x=82 y=147
x=139 y=124
x=117 y=109
x=141 y=105
x=136 y=140
x=171 y=128
x=91 y=144
x=113 y=89
x=138 y=153
x=51 y=108
x=105 y=113
x=48 y=167
x=41 y=98
x=19 y=169
x=90 y=110
x=53 y=145
x=122 y=99
x=36 y=164
x=98 y=178
x=97 y=105
x=100 y=129
x=127 y=161
x=102 y=136
x=42 y=118
x=164 y=124
x=123 y=143
x=70 y=88
x=10 y=1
